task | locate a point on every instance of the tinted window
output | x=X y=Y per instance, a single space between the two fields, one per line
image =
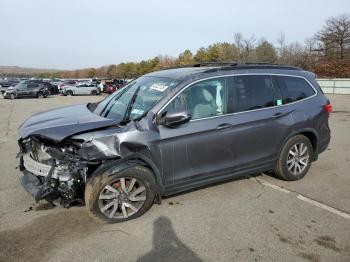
x=252 y=92
x=294 y=88
x=203 y=99
x=33 y=85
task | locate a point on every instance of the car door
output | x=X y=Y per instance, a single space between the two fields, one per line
x=32 y=89
x=79 y=89
x=22 y=89
x=90 y=87
x=199 y=148
x=259 y=121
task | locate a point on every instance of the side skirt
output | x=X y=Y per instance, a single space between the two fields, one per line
x=222 y=176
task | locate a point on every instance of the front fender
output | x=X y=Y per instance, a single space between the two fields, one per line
x=115 y=166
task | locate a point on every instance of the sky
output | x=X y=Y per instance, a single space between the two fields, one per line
x=72 y=34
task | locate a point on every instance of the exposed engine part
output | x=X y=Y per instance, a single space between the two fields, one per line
x=52 y=173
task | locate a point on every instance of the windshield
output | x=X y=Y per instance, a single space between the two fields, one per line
x=134 y=100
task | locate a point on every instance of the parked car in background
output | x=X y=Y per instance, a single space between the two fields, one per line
x=110 y=89
x=81 y=88
x=27 y=88
x=5 y=83
x=114 y=85
x=53 y=89
x=67 y=82
x=55 y=83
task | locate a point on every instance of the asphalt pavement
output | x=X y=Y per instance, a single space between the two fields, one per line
x=256 y=218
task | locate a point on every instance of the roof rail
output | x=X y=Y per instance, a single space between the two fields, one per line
x=215 y=64
x=236 y=66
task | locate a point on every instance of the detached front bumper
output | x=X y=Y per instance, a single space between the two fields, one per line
x=36 y=178
x=31 y=184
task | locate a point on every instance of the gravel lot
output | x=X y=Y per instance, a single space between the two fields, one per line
x=251 y=219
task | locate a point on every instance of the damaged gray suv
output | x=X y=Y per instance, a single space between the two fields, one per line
x=172 y=131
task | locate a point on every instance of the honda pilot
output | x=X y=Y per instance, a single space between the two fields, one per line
x=172 y=131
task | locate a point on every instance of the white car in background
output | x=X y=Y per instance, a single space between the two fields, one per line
x=81 y=88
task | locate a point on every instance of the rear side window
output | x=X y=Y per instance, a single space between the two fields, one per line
x=249 y=92
x=33 y=85
x=294 y=88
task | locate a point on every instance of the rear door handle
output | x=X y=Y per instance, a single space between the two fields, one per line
x=278 y=114
x=224 y=126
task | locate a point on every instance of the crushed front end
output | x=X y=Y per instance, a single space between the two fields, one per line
x=53 y=172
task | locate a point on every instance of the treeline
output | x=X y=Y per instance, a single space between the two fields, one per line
x=327 y=53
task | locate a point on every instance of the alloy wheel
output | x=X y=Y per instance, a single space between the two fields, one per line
x=298 y=158
x=122 y=198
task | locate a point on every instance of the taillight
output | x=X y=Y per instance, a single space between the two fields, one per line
x=328 y=108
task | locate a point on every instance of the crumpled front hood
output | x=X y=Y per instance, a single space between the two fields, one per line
x=60 y=123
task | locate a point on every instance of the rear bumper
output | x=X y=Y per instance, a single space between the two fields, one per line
x=323 y=144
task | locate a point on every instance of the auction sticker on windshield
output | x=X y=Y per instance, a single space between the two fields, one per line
x=159 y=87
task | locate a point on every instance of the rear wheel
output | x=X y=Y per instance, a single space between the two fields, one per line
x=295 y=159
x=121 y=196
x=69 y=93
x=40 y=95
x=94 y=92
x=12 y=96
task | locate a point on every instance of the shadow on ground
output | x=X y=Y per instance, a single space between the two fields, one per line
x=166 y=245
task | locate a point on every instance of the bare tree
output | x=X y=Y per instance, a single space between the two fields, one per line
x=335 y=36
x=249 y=44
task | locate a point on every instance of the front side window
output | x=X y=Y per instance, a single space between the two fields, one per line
x=294 y=88
x=202 y=99
x=250 y=92
x=22 y=85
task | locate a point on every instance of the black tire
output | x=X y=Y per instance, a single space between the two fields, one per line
x=94 y=92
x=97 y=183
x=69 y=93
x=282 y=171
x=40 y=95
x=12 y=96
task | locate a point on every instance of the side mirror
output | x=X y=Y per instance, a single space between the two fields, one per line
x=175 y=118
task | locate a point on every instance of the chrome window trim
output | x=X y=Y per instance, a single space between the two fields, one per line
x=232 y=75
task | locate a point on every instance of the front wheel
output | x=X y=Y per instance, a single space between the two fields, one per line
x=121 y=196
x=295 y=159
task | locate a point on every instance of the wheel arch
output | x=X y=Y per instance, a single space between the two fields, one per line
x=310 y=133
x=118 y=165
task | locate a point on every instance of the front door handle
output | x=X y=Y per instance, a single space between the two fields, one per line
x=224 y=126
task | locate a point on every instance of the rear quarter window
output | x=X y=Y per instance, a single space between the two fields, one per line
x=294 y=88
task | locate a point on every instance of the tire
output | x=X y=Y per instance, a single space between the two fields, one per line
x=12 y=96
x=40 y=95
x=94 y=92
x=69 y=93
x=96 y=189
x=292 y=156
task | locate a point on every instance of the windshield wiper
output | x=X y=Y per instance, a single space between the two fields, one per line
x=130 y=105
